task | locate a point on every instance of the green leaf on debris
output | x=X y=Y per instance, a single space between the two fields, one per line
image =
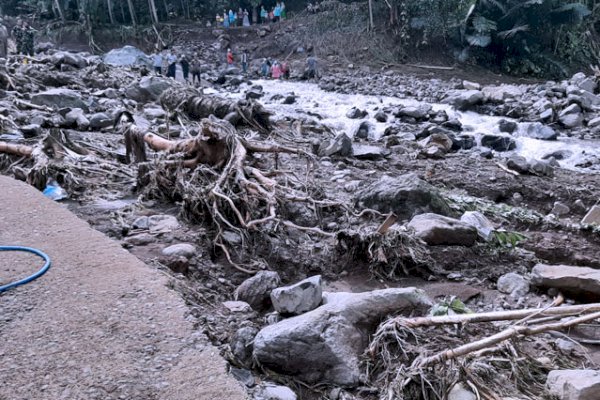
x=450 y=306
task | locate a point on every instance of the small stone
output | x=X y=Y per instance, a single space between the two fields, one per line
x=513 y=284
x=467 y=85
x=507 y=126
x=480 y=222
x=141 y=239
x=237 y=306
x=256 y=290
x=162 y=223
x=276 y=392
x=140 y=223
x=566 y=347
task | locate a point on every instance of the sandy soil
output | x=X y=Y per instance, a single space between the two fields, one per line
x=100 y=324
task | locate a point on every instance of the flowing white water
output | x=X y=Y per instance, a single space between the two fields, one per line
x=332 y=107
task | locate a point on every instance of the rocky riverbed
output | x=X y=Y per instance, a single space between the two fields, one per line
x=396 y=197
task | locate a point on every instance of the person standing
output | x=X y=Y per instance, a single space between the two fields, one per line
x=196 y=69
x=18 y=33
x=277 y=12
x=263 y=14
x=312 y=68
x=264 y=68
x=172 y=68
x=3 y=40
x=28 y=39
x=225 y=19
x=185 y=67
x=245 y=61
x=231 y=18
x=285 y=70
x=158 y=62
x=283 y=12
x=276 y=70
x=246 y=21
x=229 y=58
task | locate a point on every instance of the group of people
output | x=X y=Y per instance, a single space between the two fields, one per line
x=232 y=18
x=242 y=17
x=23 y=35
x=276 y=14
x=165 y=62
x=274 y=69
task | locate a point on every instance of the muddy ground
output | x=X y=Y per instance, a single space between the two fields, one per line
x=112 y=196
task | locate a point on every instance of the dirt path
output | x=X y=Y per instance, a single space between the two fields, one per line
x=100 y=324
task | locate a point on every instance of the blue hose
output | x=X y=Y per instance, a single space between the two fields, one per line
x=41 y=272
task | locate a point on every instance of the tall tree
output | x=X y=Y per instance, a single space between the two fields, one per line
x=153 y=13
x=110 y=11
x=132 y=12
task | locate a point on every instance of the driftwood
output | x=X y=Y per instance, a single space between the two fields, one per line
x=198 y=106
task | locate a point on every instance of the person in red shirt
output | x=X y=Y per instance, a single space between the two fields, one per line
x=229 y=57
x=276 y=71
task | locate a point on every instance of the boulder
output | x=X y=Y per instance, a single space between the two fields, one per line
x=127 y=55
x=241 y=344
x=341 y=145
x=405 y=195
x=162 y=223
x=464 y=99
x=61 y=58
x=355 y=113
x=513 y=284
x=154 y=113
x=100 y=121
x=420 y=111
x=462 y=142
x=542 y=168
x=480 y=222
x=579 y=282
x=76 y=117
x=380 y=116
x=237 y=306
x=537 y=130
x=559 y=209
x=325 y=344
x=437 y=229
x=498 y=143
x=180 y=250
x=257 y=289
x=149 y=88
x=497 y=94
x=363 y=130
x=588 y=84
x=31 y=130
x=574 y=384
x=570 y=121
x=299 y=298
x=592 y=217
x=59 y=98
x=518 y=163
x=367 y=152
x=507 y=126
x=467 y=85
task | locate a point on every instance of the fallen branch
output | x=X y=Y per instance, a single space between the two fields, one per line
x=500 y=337
x=16 y=149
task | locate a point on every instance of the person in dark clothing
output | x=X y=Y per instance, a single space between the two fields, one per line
x=245 y=61
x=185 y=67
x=172 y=66
x=196 y=69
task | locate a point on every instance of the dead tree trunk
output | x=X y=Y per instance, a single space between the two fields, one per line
x=59 y=10
x=153 y=12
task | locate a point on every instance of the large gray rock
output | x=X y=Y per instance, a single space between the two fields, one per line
x=405 y=195
x=242 y=344
x=186 y=250
x=464 y=99
x=368 y=152
x=76 y=117
x=518 y=163
x=298 y=298
x=149 y=88
x=580 y=282
x=498 y=143
x=63 y=57
x=574 y=384
x=537 y=130
x=257 y=289
x=419 y=111
x=162 y=223
x=341 y=145
x=100 y=120
x=437 y=229
x=460 y=392
x=498 y=94
x=59 y=98
x=480 y=222
x=127 y=55
x=325 y=344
